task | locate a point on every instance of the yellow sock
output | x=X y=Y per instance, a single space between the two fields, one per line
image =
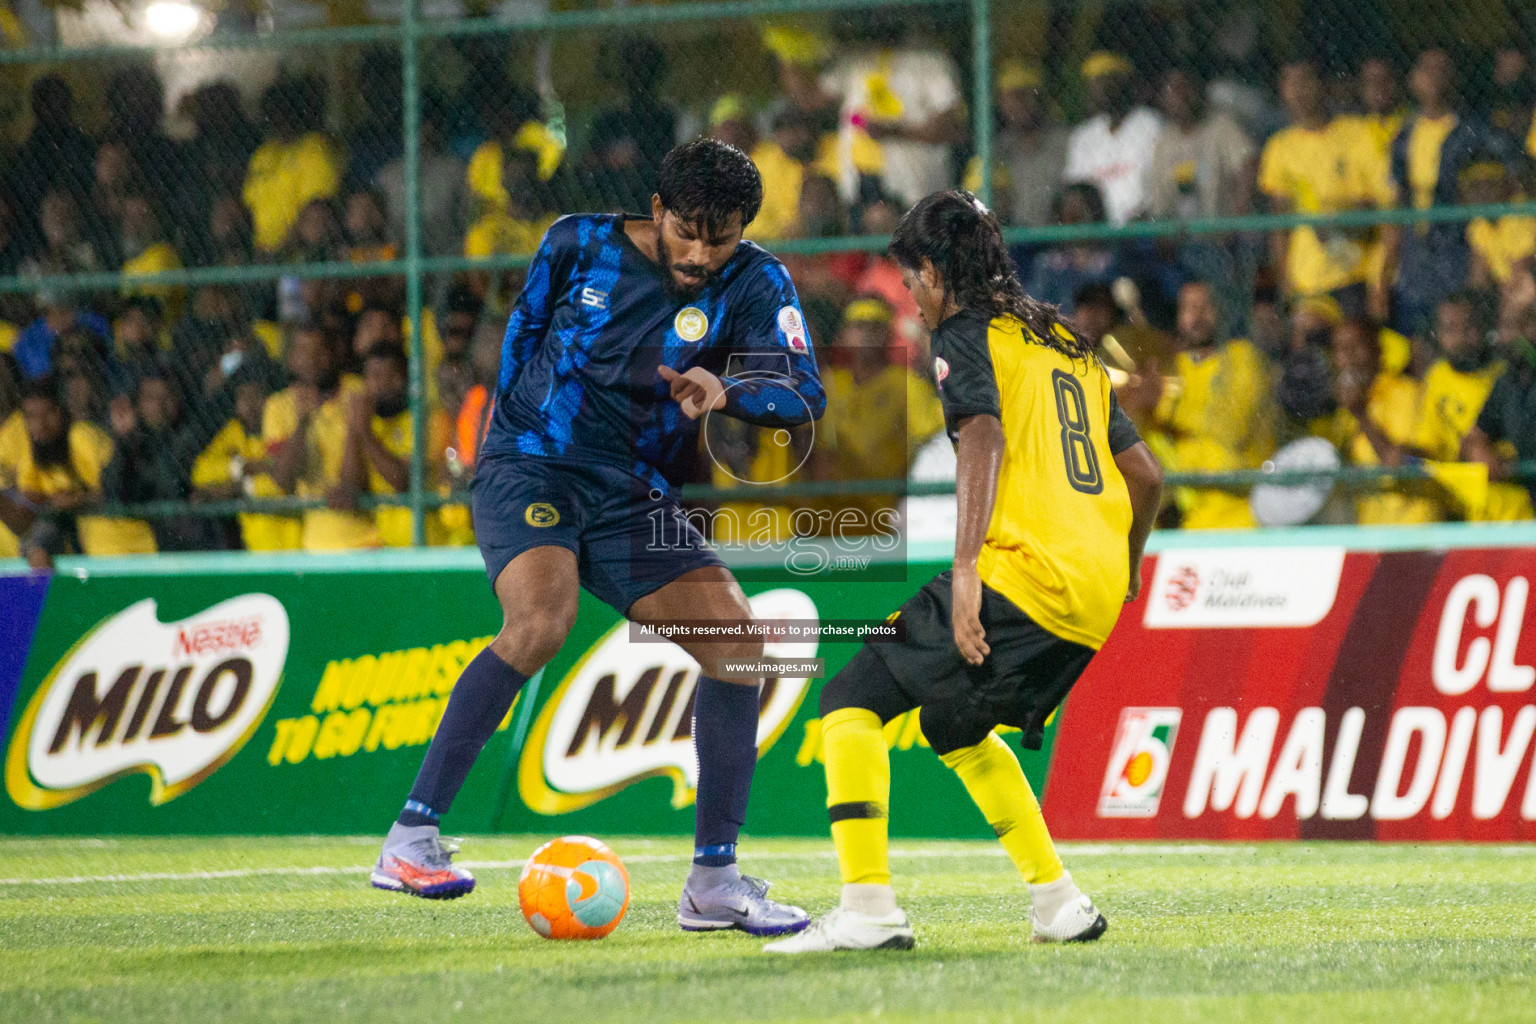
x=996 y=782
x=858 y=794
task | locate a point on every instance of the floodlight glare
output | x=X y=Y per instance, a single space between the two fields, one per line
x=172 y=19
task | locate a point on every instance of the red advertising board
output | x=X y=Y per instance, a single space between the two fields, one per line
x=1309 y=693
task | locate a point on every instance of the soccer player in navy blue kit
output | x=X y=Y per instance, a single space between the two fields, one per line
x=627 y=332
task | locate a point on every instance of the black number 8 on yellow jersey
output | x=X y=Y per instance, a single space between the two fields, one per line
x=1077 y=452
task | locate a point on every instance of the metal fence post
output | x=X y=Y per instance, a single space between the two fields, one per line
x=410 y=43
x=981 y=71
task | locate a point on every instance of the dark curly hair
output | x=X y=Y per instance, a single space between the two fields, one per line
x=705 y=181
x=963 y=240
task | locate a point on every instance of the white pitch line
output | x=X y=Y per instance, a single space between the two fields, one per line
x=1094 y=850
x=1070 y=849
x=180 y=876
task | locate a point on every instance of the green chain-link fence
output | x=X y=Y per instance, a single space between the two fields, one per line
x=202 y=239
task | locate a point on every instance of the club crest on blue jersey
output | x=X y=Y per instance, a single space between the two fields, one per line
x=691 y=323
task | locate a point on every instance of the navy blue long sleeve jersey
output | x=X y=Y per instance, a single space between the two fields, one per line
x=594 y=321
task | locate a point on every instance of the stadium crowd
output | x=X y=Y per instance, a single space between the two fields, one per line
x=1396 y=344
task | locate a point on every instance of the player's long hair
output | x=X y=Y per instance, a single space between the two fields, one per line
x=964 y=241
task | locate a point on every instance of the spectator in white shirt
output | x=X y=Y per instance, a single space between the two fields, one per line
x=900 y=94
x=1113 y=148
x=1203 y=166
x=1029 y=150
x=1203 y=163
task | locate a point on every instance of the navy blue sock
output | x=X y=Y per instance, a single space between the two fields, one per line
x=725 y=737
x=417 y=813
x=479 y=702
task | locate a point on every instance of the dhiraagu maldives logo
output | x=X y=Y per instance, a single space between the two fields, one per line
x=624 y=712
x=174 y=701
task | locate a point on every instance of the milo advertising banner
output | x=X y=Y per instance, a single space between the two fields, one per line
x=264 y=701
x=297 y=694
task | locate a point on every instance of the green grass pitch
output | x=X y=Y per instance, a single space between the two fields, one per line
x=286 y=929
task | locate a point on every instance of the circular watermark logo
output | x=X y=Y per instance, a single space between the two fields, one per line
x=780 y=437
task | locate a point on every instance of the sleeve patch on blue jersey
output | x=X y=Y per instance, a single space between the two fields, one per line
x=793 y=326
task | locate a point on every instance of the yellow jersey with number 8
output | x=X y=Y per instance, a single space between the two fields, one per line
x=1057 y=542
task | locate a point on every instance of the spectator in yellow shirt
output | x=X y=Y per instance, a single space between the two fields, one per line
x=144 y=248
x=17 y=517
x=13 y=431
x=366 y=228
x=1370 y=134
x=515 y=226
x=1214 y=412
x=1432 y=260
x=1499 y=246
x=305 y=431
x=879 y=413
x=796 y=149
x=13 y=442
x=1456 y=387
x=1306 y=168
x=60 y=473
x=731 y=122
x=1457 y=384
x=1404 y=418
x=511 y=230
x=1377 y=418
x=381 y=439
x=296 y=164
x=1381 y=117
x=511 y=115
x=1505 y=431
x=234 y=465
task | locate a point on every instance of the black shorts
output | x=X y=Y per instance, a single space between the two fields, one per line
x=1027 y=674
x=629 y=538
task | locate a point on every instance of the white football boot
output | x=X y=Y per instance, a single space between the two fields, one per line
x=1077 y=921
x=848 y=929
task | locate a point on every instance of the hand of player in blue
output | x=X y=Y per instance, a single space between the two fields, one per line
x=696 y=390
x=965 y=616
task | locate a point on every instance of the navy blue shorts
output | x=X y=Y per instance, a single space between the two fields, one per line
x=629 y=538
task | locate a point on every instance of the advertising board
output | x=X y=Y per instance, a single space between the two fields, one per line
x=283 y=694
x=1305 y=689
x=1331 y=695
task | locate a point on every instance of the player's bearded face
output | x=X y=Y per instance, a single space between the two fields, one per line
x=693 y=253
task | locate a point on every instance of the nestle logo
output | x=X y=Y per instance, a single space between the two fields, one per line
x=1182 y=587
x=217 y=637
x=118 y=704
